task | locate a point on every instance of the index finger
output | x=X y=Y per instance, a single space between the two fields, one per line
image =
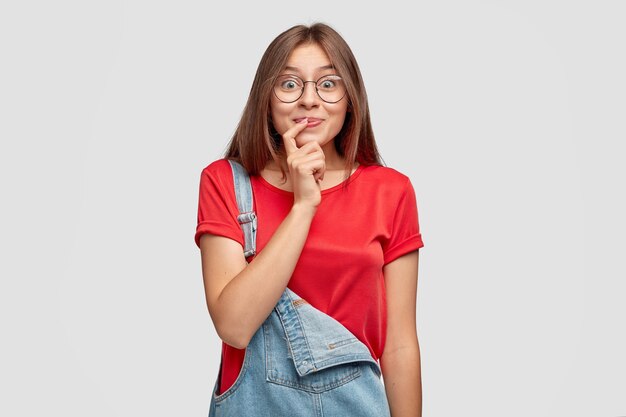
x=289 y=137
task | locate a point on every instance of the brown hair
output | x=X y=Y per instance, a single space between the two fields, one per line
x=256 y=142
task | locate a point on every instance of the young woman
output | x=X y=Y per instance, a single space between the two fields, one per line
x=334 y=225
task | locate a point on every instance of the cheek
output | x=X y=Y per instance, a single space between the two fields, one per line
x=280 y=117
x=339 y=118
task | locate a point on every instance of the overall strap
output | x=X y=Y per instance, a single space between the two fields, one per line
x=247 y=216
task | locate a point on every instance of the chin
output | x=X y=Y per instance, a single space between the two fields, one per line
x=303 y=139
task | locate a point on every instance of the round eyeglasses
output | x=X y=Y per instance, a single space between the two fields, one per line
x=289 y=88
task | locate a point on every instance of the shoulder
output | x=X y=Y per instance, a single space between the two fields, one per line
x=384 y=184
x=387 y=178
x=217 y=168
x=218 y=171
x=217 y=176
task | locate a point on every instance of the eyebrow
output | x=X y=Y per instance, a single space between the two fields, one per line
x=325 y=67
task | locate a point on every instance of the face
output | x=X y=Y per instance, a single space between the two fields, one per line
x=310 y=63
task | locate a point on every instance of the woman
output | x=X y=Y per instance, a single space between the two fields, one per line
x=334 y=225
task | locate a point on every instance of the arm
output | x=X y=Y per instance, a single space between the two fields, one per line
x=240 y=296
x=400 y=362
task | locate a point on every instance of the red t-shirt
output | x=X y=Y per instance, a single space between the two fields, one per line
x=356 y=231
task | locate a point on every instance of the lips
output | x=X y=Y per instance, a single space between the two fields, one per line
x=311 y=121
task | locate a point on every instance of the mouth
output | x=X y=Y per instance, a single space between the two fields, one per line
x=311 y=121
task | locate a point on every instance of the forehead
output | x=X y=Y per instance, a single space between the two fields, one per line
x=308 y=57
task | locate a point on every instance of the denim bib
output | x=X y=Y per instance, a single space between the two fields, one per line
x=300 y=362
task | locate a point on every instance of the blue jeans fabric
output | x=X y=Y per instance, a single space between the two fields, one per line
x=303 y=363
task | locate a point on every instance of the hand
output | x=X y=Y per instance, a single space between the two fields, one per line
x=306 y=166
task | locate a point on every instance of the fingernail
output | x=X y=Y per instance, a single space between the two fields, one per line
x=304 y=120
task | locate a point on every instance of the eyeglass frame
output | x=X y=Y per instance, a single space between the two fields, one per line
x=304 y=86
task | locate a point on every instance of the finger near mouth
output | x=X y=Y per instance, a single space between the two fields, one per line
x=309 y=122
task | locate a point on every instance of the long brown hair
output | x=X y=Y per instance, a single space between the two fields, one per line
x=256 y=142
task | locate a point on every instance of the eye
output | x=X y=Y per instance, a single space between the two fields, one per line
x=289 y=83
x=329 y=83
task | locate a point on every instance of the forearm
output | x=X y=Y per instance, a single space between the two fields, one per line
x=403 y=383
x=247 y=299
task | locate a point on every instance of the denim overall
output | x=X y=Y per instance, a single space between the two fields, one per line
x=300 y=362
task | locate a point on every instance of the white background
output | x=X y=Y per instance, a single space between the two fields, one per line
x=509 y=117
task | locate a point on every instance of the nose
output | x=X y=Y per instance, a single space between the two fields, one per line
x=309 y=95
